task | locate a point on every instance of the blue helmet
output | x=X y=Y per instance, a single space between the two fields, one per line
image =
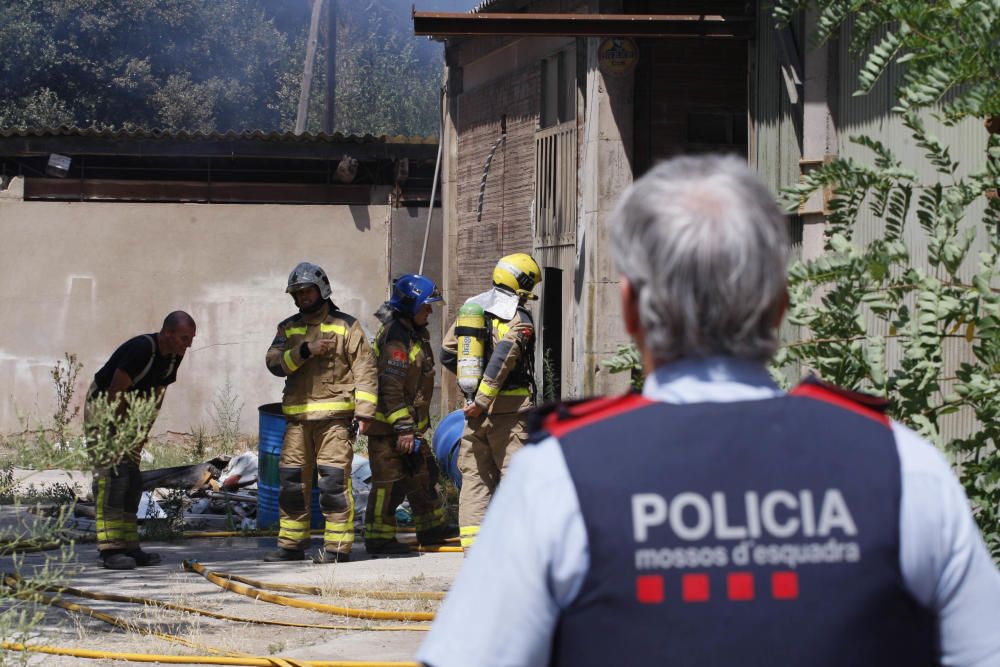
x=411 y=291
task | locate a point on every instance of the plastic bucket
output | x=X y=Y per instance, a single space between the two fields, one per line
x=272 y=436
x=447 y=437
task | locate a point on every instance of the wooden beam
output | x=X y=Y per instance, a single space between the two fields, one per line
x=365 y=151
x=457 y=24
x=56 y=189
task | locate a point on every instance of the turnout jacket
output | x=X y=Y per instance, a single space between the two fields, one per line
x=507 y=383
x=337 y=385
x=405 y=377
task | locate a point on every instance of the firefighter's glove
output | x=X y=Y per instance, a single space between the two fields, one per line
x=405 y=442
x=318 y=347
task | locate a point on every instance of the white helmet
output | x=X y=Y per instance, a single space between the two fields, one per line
x=309 y=274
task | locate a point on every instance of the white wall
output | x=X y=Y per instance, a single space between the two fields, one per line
x=84 y=277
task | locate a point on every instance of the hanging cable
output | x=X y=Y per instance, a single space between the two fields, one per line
x=486 y=167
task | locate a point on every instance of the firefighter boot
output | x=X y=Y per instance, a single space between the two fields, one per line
x=116 y=559
x=324 y=557
x=283 y=555
x=144 y=558
x=378 y=548
x=437 y=535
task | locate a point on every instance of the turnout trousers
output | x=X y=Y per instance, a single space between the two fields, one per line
x=117 y=490
x=325 y=445
x=396 y=476
x=483 y=456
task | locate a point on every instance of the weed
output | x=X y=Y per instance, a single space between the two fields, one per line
x=198 y=447
x=361 y=445
x=174 y=505
x=227 y=408
x=275 y=647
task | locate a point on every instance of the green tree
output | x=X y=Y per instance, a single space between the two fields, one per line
x=209 y=65
x=943 y=313
x=175 y=64
x=857 y=298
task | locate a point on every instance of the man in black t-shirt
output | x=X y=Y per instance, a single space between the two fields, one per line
x=144 y=364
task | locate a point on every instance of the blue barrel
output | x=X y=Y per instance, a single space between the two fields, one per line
x=447 y=437
x=272 y=436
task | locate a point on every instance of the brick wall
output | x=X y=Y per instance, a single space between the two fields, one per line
x=505 y=226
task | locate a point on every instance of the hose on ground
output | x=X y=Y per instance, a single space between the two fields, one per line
x=17 y=591
x=161 y=604
x=249 y=661
x=258 y=594
x=342 y=592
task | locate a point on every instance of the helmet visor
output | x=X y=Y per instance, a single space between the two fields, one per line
x=435 y=297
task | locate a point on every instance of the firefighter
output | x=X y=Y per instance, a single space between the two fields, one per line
x=402 y=461
x=330 y=380
x=715 y=519
x=145 y=365
x=495 y=415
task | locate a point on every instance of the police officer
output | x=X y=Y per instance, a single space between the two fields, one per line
x=330 y=380
x=402 y=462
x=495 y=419
x=714 y=519
x=144 y=365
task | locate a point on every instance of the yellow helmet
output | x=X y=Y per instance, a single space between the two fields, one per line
x=518 y=273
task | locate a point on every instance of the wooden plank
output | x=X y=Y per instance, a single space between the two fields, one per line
x=194 y=192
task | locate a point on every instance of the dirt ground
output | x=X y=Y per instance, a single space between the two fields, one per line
x=242 y=556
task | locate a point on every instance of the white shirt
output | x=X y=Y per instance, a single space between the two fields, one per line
x=531 y=555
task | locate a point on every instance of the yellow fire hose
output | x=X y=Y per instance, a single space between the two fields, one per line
x=443 y=548
x=112 y=597
x=249 y=661
x=258 y=594
x=119 y=623
x=343 y=592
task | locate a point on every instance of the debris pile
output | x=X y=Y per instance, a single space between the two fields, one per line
x=219 y=494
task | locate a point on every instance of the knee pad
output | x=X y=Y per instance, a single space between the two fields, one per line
x=291 y=496
x=332 y=489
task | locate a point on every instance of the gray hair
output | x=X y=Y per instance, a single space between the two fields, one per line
x=705 y=247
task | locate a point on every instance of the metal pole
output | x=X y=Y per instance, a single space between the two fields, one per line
x=437 y=169
x=307 y=72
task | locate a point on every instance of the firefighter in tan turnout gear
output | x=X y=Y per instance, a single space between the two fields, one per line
x=330 y=381
x=402 y=462
x=495 y=415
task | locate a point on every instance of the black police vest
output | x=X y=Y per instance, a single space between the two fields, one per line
x=749 y=533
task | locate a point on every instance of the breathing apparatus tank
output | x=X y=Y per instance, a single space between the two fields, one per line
x=470 y=330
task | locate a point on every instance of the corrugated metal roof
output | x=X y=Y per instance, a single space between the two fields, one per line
x=183 y=135
x=488 y=5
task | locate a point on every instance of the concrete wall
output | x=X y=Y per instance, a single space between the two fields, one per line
x=606 y=145
x=84 y=277
x=407 y=240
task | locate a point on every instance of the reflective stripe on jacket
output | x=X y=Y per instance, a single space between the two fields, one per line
x=405 y=377
x=337 y=385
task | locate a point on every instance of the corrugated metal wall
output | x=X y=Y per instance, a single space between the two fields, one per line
x=775 y=150
x=867 y=115
x=774 y=143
